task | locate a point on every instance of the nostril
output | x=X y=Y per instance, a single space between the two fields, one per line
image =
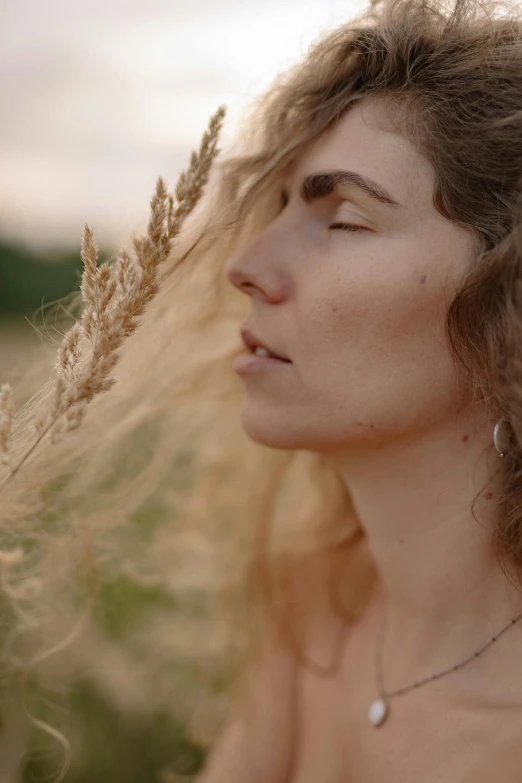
x=238 y=280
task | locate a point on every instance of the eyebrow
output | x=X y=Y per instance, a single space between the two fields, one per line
x=321 y=184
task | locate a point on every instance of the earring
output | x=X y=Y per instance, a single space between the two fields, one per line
x=501 y=435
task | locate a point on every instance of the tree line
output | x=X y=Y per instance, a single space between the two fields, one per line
x=32 y=277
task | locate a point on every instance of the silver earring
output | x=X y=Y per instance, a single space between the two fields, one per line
x=501 y=435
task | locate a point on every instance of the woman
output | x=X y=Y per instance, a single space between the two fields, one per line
x=371 y=213
x=385 y=229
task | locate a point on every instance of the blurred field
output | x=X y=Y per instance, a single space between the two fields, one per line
x=147 y=743
x=18 y=340
x=32 y=279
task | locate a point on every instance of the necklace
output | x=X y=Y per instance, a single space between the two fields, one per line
x=380 y=708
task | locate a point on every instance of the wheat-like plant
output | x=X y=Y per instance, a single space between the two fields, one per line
x=6 y=421
x=115 y=296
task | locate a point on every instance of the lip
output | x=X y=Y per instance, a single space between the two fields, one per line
x=251 y=362
x=252 y=342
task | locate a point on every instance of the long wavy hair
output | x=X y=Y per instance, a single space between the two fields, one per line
x=161 y=487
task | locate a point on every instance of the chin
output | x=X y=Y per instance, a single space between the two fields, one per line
x=267 y=430
x=283 y=432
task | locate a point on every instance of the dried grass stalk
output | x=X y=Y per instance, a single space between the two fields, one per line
x=115 y=296
x=6 y=421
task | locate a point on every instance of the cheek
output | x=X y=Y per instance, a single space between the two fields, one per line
x=372 y=308
x=381 y=334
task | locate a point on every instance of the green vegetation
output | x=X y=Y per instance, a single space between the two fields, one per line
x=29 y=277
x=113 y=748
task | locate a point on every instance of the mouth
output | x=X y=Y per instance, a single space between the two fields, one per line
x=260 y=348
x=247 y=363
x=264 y=354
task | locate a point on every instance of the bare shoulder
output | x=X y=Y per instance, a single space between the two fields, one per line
x=256 y=745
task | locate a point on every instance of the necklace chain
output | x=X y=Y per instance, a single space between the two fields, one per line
x=380 y=707
x=378 y=663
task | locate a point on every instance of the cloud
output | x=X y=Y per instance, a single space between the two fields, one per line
x=99 y=99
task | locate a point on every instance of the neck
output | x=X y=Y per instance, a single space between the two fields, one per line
x=443 y=589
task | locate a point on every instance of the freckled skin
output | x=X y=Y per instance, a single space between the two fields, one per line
x=347 y=308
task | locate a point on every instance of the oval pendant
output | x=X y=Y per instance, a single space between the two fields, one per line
x=377 y=712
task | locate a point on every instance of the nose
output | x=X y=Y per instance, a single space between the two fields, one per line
x=258 y=268
x=247 y=266
x=235 y=271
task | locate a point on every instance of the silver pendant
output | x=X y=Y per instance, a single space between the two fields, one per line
x=377 y=712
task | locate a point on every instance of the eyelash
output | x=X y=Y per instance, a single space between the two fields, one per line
x=351 y=227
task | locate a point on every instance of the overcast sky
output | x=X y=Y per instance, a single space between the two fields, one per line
x=99 y=98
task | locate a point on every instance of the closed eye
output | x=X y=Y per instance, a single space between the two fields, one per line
x=350 y=227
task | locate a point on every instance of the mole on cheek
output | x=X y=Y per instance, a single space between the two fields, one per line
x=465 y=438
x=488 y=495
x=423 y=279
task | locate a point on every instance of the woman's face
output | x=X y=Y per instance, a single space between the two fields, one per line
x=359 y=313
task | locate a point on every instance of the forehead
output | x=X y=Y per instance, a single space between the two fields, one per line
x=363 y=140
